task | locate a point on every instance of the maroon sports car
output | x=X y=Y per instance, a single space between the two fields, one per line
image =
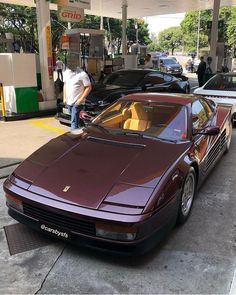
x=127 y=177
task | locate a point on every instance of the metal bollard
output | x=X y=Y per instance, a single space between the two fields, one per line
x=2 y=102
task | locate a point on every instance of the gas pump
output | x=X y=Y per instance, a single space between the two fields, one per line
x=140 y=51
x=86 y=50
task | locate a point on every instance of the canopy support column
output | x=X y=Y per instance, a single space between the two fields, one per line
x=214 y=35
x=124 y=27
x=45 y=49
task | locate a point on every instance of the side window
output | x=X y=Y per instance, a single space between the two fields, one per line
x=154 y=79
x=207 y=108
x=199 y=115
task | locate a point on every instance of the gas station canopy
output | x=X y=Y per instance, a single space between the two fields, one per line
x=138 y=8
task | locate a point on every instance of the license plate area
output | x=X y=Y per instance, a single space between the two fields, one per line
x=54 y=231
x=65 y=111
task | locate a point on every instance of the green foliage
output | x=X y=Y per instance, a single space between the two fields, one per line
x=226 y=27
x=189 y=28
x=154 y=46
x=22 y=22
x=170 y=39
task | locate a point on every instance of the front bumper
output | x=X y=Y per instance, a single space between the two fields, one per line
x=64 y=218
x=126 y=248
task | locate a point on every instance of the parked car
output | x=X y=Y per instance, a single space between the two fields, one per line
x=171 y=66
x=123 y=82
x=174 y=58
x=127 y=177
x=221 y=88
x=157 y=54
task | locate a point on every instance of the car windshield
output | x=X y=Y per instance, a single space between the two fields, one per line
x=155 y=120
x=124 y=78
x=222 y=82
x=169 y=61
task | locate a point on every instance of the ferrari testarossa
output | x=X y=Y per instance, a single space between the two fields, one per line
x=125 y=178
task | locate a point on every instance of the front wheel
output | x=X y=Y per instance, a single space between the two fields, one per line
x=187 y=196
x=229 y=139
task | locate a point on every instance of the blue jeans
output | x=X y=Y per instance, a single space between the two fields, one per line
x=74 y=111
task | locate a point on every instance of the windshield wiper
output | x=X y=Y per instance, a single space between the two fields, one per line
x=137 y=134
x=167 y=139
x=99 y=127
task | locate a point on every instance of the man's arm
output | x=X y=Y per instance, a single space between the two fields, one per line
x=86 y=92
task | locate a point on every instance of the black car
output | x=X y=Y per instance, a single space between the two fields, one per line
x=169 y=65
x=124 y=82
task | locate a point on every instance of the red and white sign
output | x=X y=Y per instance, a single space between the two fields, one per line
x=65 y=42
x=85 y=4
x=70 y=14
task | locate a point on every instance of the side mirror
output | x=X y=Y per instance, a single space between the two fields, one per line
x=210 y=130
x=213 y=104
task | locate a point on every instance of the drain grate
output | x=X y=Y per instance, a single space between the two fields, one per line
x=20 y=238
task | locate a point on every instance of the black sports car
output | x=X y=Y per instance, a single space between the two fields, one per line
x=124 y=82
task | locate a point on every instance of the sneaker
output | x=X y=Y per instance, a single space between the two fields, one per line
x=77 y=131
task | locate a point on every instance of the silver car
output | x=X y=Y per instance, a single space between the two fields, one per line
x=221 y=88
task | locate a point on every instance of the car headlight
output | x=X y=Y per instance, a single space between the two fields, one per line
x=116 y=232
x=113 y=235
x=14 y=203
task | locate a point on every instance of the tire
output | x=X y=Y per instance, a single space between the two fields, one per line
x=187 y=196
x=187 y=90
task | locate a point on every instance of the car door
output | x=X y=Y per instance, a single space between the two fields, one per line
x=202 y=116
x=155 y=82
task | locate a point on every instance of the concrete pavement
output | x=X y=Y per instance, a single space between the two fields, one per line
x=197 y=258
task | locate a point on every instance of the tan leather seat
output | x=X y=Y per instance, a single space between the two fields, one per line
x=139 y=118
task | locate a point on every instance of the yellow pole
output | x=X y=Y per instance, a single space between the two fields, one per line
x=3 y=102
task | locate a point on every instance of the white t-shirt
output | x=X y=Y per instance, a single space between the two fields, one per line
x=148 y=65
x=59 y=65
x=74 y=85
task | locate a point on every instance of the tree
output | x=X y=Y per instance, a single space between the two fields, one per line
x=22 y=22
x=170 y=39
x=189 y=27
x=226 y=28
x=154 y=46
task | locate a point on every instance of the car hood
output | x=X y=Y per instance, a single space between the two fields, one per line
x=86 y=171
x=175 y=66
x=101 y=92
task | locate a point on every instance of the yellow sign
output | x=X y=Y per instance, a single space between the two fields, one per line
x=49 y=40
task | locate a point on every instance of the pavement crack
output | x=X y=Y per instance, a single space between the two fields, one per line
x=50 y=271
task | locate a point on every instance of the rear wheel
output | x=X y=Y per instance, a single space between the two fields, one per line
x=187 y=196
x=187 y=90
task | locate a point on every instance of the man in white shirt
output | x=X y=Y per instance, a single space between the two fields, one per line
x=77 y=87
x=148 y=62
x=59 y=68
